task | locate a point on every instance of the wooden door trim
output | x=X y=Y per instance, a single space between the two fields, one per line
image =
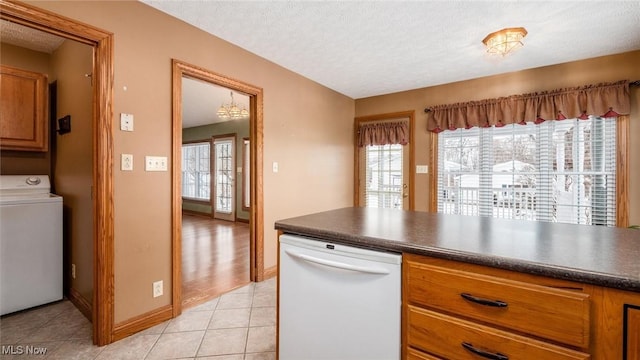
x=180 y=69
x=433 y=173
x=410 y=114
x=103 y=234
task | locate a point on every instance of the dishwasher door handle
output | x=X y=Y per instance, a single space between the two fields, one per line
x=337 y=264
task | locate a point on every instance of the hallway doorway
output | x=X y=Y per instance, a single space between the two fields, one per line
x=203 y=178
x=211 y=189
x=101 y=120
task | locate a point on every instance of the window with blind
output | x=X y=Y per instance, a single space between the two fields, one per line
x=384 y=176
x=196 y=164
x=557 y=171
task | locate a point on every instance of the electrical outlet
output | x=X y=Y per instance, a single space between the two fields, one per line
x=126 y=162
x=73 y=271
x=157 y=288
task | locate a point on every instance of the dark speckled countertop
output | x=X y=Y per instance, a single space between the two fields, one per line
x=590 y=254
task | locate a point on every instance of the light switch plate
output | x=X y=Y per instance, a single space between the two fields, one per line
x=126 y=122
x=155 y=163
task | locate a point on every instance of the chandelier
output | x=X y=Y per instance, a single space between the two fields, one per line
x=505 y=41
x=232 y=111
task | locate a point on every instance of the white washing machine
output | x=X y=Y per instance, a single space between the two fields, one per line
x=30 y=243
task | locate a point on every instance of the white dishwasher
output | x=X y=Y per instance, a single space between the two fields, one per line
x=337 y=302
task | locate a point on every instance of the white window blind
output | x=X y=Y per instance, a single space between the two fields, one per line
x=558 y=171
x=196 y=164
x=383 y=176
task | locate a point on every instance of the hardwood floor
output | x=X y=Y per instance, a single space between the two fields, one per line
x=215 y=258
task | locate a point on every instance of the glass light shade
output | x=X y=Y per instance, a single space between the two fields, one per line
x=234 y=111
x=505 y=41
x=231 y=111
x=222 y=112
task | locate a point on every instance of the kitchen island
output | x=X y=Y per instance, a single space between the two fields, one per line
x=591 y=273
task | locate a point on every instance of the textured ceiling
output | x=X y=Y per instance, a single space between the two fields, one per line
x=368 y=48
x=29 y=38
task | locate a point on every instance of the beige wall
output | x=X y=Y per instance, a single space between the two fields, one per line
x=592 y=71
x=307 y=130
x=73 y=170
x=25 y=162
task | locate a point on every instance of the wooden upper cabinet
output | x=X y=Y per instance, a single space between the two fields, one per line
x=23 y=110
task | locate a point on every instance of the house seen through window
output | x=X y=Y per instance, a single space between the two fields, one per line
x=557 y=171
x=384 y=176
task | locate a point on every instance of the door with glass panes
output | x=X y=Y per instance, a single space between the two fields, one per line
x=383 y=176
x=224 y=179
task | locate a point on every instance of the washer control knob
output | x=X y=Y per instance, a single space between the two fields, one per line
x=33 y=180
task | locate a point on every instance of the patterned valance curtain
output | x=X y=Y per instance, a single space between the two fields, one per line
x=607 y=100
x=383 y=133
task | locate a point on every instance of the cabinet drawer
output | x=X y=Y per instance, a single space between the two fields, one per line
x=444 y=336
x=554 y=314
x=413 y=354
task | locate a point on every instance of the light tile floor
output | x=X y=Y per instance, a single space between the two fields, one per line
x=239 y=325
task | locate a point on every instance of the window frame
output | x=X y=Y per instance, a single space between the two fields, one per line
x=191 y=199
x=622 y=171
x=246 y=174
x=215 y=169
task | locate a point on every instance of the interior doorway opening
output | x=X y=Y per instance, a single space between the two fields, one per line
x=215 y=226
x=102 y=154
x=182 y=71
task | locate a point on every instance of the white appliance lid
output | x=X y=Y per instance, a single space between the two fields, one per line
x=15 y=185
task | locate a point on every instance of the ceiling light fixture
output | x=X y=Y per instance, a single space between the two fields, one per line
x=505 y=41
x=232 y=111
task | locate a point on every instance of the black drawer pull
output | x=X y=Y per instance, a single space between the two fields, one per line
x=485 y=302
x=484 y=354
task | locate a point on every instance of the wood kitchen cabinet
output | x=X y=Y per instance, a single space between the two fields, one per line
x=463 y=311
x=632 y=332
x=23 y=110
x=454 y=310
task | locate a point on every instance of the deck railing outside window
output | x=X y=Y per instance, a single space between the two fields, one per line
x=559 y=171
